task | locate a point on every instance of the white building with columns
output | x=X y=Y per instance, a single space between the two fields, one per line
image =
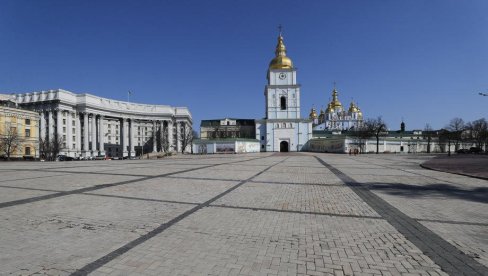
x=95 y=126
x=282 y=129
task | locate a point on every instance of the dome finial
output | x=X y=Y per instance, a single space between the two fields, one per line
x=281 y=61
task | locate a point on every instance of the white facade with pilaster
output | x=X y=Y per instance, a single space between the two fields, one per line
x=92 y=126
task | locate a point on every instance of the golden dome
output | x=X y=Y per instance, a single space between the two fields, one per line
x=335 y=101
x=281 y=61
x=330 y=108
x=353 y=108
x=313 y=114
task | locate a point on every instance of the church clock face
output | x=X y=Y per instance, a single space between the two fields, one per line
x=282 y=76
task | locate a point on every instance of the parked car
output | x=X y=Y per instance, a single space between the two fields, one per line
x=475 y=150
x=463 y=151
x=62 y=157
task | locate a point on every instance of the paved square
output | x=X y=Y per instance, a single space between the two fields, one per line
x=255 y=214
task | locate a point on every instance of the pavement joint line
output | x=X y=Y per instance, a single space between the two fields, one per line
x=256 y=181
x=447 y=256
x=142 y=199
x=294 y=211
x=101 y=186
x=88 y=268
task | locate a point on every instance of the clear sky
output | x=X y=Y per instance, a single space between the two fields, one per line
x=424 y=61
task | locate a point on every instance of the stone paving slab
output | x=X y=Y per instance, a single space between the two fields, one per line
x=256 y=214
x=219 y=241
x=471 y=239
x=62 y=234
x=8 y=194
x=171 y=189
x=317 y=178
x=66 y=182
x=305 y=198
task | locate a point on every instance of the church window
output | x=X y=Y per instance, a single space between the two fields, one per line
x=262 y=138
x=283 y=103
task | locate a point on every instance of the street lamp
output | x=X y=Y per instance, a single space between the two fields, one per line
x=483 y=94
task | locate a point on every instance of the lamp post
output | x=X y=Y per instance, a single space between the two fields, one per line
x=483 y=94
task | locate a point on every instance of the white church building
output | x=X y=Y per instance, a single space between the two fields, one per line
x=282 y=129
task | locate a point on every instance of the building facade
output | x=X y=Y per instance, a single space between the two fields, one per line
x=228 y=128
x=19 y=130
x=87 y=125
x=336 y=116
x=282 y=129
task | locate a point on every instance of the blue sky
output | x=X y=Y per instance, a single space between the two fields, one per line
x=424 y=61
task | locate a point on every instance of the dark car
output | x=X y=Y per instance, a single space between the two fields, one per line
x=64 y=158
x=463 y=151
x=475 y=150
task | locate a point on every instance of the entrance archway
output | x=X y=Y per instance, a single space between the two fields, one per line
x=284 y=146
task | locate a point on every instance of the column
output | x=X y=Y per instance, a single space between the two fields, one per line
x=78 y=133
x=155 y=148
x=69 y=134
x=131 y=138
x=51 y=124
x=170 y=135
x=161 y=133
x=85 y=134
x=178 y=136
x=94 y=135
x=59 y=127
x=123 y=136
x=42 y=127
x=101 y=133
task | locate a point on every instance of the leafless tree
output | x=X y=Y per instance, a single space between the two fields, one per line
x=428 y=134
x=10 y=141
x=360 y=134
x=446 y=136
x=478 y=132
x=163 y=140
x=456 y=127
x=186 y=136
x=49 y=149
x=378 y=128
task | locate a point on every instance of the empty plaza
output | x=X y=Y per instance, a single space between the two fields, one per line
x=252 y=214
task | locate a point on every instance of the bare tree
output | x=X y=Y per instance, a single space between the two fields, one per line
x=163 y=140
x=10 y=141
x=360 y=134
x=186 y=136
x=446 y=136
x=428 y=134
x=456 y=128
x=49 y=149
x=378 y=128
x=478 y=131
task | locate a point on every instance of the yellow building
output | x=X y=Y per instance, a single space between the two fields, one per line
x=19 y=131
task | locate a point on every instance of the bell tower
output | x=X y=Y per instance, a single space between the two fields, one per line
x=282 y=92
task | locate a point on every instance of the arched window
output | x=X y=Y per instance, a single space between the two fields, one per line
x=283 y=103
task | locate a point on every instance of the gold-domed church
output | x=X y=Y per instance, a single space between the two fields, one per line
x=282 y=129
x=336 y=116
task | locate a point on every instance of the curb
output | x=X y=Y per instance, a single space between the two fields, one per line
x=463 y=174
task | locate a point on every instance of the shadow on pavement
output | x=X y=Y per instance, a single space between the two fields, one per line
x=479 y=194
